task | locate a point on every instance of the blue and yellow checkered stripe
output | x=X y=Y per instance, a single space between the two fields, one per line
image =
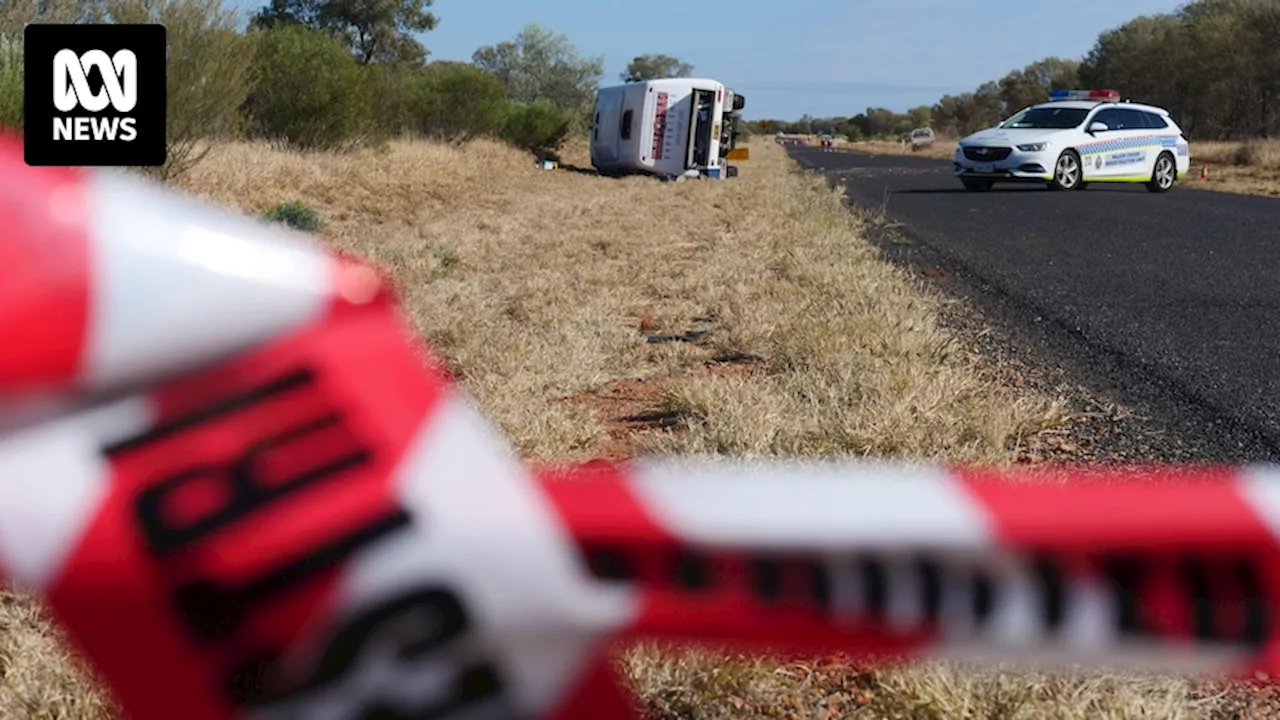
x=1129 y=143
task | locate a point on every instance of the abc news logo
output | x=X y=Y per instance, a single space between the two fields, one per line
x=94 y=95
x=71 y=90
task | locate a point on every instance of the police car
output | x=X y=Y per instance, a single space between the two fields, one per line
x=1078 y=137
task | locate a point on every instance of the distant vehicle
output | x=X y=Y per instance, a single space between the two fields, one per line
x=828 y=143
x=1078 y=137
x=922 y=138
x=669 y=127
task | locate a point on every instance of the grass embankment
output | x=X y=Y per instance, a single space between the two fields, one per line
x=1249 y=167
x=543 y=290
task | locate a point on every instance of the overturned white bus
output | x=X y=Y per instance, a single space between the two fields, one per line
x=670 y=127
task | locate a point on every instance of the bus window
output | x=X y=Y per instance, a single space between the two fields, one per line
x=625 y=130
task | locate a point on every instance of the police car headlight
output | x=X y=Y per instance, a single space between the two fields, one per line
x=1033 y=147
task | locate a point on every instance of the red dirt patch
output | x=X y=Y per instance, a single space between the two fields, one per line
x=634 y=406
x=625 y=407
x=646 y=323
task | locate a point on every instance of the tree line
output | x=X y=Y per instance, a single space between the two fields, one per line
x=336 y=74
x=1214 y=64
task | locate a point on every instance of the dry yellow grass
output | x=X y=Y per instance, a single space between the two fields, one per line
x=533 y=284
x=697 y=685
x=536 y=287
x=1250 y=167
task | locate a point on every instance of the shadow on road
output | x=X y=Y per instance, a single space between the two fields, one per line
x=1019 y=187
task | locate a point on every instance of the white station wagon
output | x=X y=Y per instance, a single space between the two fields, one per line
x=1078 y=137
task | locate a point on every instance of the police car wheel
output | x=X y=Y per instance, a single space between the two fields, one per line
x=976 y=184
x=1164 y=174
x=1067 y=172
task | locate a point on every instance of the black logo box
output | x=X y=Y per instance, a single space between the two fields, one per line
x=42 y=42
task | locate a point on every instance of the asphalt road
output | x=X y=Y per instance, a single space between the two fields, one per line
x=1175 y=294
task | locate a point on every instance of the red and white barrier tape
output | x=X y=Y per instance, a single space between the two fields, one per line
x=254 y=495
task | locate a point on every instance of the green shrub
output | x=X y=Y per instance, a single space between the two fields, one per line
x=456 y=101
x=11 y=83
x=296 y=215
x=207 y=76
x=539 y=127
x=309 y=92
x=388 y=89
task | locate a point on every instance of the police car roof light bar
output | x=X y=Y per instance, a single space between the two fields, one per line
x=1095 y=95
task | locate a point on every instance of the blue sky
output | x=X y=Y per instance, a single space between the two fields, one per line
x=835 y=57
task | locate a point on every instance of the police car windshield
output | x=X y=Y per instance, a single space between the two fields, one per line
x=1047 y=118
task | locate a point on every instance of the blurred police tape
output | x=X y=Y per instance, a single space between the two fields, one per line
x=246 y=490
